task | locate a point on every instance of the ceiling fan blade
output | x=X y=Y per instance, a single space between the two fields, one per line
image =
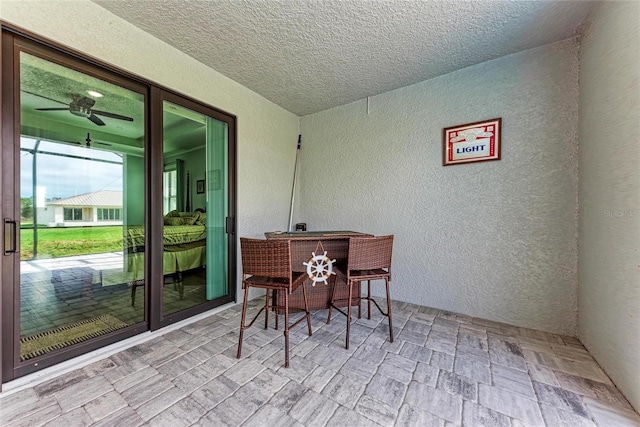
x=112 y=115
x=66 y=141
x=102 y=143
x=42 y=96
x=52 y=109
x=95 y=119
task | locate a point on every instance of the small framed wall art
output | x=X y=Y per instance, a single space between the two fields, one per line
x=473 y=142
x=200 y=186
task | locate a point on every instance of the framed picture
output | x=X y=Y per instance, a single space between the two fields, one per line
x=200 y=186
x=473 y=142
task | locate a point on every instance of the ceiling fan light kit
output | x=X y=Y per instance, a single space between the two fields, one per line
x=82 y=106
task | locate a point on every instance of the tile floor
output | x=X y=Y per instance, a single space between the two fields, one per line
x=60 y=291
x=443 y=369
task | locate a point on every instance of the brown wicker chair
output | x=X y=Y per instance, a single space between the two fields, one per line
x=266 y=264
x=369 y=259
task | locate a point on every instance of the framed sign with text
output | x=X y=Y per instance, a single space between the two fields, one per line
x=473 y=142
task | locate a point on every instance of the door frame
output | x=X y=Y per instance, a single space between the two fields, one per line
x=13 y=41
x=158 y=96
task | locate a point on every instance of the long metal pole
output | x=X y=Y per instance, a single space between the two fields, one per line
x=295 y=180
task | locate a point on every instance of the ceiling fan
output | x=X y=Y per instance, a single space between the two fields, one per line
x=82 y=106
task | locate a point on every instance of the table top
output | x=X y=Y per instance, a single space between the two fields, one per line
x=312 y=235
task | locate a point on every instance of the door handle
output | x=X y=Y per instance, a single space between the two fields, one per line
x=230 y=226
x=10 y=236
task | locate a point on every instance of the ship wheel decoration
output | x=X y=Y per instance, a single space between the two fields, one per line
x=319 y=267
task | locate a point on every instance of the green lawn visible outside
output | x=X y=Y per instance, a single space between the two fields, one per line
x=62 y=242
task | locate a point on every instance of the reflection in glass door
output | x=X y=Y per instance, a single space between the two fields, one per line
x=109 y=230
x=195 y=206
x=81 y=214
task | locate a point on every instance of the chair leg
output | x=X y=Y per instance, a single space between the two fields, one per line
x=286 y=329
x=389 y=311
x=242 y=319
x=333 y=293
x=349 y=314
x=306 y=306
x=360 y=300
x=369 y=299
x=133 y=295
x=266 y=310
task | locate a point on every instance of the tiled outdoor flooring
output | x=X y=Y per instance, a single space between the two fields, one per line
x=56 y=292
x=443 y=369
x=59 y=291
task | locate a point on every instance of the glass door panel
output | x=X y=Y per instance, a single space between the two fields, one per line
x=217 y=207
x=82 y=234
x=195 y=206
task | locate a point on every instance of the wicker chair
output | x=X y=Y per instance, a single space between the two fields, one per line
x=369 y=259
x=266 y=264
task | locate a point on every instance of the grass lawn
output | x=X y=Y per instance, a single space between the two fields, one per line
x=61 y=242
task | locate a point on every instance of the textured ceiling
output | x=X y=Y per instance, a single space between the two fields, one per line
x=307 y=56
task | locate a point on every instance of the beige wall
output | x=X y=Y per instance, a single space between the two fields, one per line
x=609 y=229
x=267 y=134
x=496 y=240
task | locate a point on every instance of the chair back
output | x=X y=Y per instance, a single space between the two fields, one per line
x=370 y=253
x=266 y=258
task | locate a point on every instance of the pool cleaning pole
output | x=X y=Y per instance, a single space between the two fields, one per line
x=295 y=179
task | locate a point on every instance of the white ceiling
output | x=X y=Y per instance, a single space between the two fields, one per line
x=310 y=55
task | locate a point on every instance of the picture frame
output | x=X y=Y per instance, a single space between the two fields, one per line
x=200 y=186
x=472 y=142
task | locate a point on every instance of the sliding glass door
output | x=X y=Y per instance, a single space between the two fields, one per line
x=195 y=207
x=78 y=157
x=118 y=203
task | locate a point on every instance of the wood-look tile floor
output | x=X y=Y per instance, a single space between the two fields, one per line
x=57 y=292
x=443 y=369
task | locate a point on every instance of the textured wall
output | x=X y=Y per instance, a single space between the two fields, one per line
x=267 y=134
x=496 y=240
x=609 y=229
